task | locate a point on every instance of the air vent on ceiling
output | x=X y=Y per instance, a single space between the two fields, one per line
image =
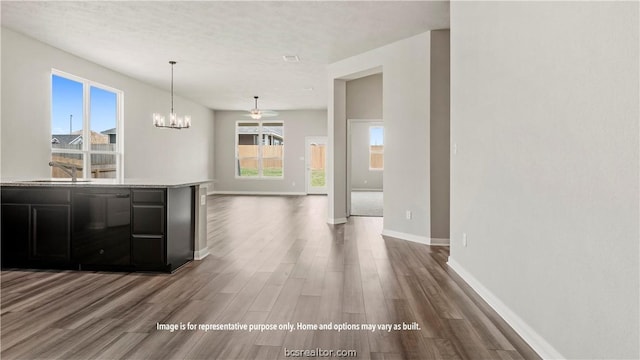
x=291 y=58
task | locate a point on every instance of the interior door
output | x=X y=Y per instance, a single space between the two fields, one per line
x=316 y=162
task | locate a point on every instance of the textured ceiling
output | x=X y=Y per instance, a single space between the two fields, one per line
x=227 y=52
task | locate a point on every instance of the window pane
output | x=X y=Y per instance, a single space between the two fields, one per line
x=247 y=152
x=103 y=166
x=376 y=148
x=376 y=160
x=318 y=162
x=272 y=149
x=103 y=110
x=66 y=113
x=66 y=160
x=376 y=135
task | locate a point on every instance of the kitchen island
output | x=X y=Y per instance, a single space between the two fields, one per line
x=98 y=224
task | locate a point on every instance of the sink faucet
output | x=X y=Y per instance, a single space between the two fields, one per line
x=68 y=169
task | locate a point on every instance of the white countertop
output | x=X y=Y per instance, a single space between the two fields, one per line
x=139 y=183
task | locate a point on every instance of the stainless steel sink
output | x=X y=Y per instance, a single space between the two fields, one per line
x=59 y=181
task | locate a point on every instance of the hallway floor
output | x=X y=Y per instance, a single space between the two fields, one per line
x=274 y=260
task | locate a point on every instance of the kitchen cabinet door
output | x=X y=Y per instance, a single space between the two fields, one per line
x=50 y=241
x=15 y=235
x=147 y=251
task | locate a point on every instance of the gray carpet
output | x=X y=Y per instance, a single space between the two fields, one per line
x=366 y=203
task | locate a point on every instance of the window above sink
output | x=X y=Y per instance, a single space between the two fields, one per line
x=86 y=127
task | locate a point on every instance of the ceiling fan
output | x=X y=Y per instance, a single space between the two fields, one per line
x=257 y=114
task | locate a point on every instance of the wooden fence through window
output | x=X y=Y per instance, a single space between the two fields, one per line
x=272 y=156
x=318 y=156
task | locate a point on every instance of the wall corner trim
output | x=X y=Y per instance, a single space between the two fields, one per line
x=201 y=253
x=537 y=342
x=268 y=193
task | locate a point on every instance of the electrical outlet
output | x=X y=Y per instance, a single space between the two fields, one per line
x=464 y=239
x=293 y=183
x=408 y=214
x=203 y=199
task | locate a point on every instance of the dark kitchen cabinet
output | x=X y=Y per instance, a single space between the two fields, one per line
x=148 y=251
x=102 y=227
x=50 y=234
x=162 y=228
x=15 y=234
x=97 y=228
x=148 y=219
x=148 y=241
x=36 y=228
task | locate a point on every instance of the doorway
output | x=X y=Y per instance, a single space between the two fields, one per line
x=365 y=167
x=316 y=164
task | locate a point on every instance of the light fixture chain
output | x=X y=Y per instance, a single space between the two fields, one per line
x=172 y=63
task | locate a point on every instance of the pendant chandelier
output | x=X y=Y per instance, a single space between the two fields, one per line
x=175 y=121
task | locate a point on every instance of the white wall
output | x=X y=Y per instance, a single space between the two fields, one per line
x=364 y=101
x=364 y=97
x=406 y=86
x=149 y=152
x=297 y=125
x=439 y=135
x=545 y=183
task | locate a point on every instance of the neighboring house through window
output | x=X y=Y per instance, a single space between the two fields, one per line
x=86 y=123
x=376 y=148
x=260 y=149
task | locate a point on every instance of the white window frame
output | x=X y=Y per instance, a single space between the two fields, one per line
x=260 y=159
x=376 y=152
x=86 y=124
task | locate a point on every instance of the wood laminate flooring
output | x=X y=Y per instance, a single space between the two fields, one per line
x=274 y=260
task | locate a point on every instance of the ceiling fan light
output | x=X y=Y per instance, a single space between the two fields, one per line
x=256 y=114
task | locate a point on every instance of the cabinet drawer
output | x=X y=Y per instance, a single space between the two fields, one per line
x=103 y=251
x=148 y=251
x=35 y=196
x=149 y=196
x=148 y=219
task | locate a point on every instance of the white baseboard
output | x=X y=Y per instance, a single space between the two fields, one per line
x=368 y=190
x=439 y=242
x=201 y=254
x=336 y=221
x=278 y=193
x=404 y=236
x=416 y=238
x=537 y=342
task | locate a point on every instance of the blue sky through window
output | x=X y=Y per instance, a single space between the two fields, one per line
x=376 y=135
x=66 y=107
x=103 y=109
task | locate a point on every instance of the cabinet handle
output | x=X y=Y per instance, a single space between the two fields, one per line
x=124 y=195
